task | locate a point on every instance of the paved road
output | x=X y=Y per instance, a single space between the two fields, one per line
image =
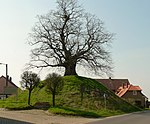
x=39 y=117
x=11 y=121
x=136 y=118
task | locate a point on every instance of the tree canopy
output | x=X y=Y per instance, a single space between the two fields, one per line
x=29 y=81
x=68 y=37
x=54 y=83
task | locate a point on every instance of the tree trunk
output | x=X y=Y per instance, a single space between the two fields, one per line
x=29 y=96
x=70 y=69
x=53 y=99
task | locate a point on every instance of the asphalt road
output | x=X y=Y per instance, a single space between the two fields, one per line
x=134 y=118
x=11 y=121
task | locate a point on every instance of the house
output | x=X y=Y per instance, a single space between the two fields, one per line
x=7 y=87
x=125 y=90
x=132 y=94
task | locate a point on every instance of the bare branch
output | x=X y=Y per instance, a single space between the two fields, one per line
x=68 y=36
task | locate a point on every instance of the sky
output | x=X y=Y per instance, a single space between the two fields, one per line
x=129 y=20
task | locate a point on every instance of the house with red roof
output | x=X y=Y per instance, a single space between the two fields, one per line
x=7 y=87
x=132 y=94
x=125 y=90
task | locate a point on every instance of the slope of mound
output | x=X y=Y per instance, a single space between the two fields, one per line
x=88 y=94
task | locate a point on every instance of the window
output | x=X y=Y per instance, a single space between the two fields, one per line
x=134 y=92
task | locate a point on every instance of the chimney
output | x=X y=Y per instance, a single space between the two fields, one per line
x=7 y=77
x=10 y=79
x=123 y=85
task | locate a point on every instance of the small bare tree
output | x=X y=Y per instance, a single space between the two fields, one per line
x=54 y=84
x=29 y=81
x=68 y=37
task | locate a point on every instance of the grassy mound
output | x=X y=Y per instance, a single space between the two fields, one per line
x=79 y=96
x=88 y=94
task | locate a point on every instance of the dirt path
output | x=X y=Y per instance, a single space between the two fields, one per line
x=42 y=117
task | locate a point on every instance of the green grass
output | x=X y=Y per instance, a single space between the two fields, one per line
x=73 y=112
x=83 y=113
x=70 y=101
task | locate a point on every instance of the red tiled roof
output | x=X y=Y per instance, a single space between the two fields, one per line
x=122 y=90
x=131 y=88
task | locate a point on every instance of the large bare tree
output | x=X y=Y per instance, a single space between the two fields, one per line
x=67 y=37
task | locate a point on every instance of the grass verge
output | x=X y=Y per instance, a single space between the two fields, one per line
x=83 y=113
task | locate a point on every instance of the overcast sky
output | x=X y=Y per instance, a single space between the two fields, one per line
x=128 y=19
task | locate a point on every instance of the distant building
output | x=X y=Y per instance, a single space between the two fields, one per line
x=7 y=89
x=125 y=90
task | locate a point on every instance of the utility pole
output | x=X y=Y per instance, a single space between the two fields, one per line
x=6 y=74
